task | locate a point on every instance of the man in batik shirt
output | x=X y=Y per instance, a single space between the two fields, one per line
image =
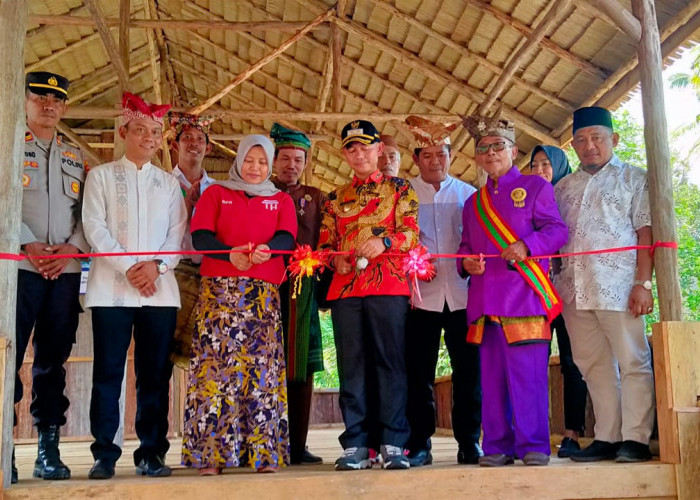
x=300 y=322
x=605 y=203
x=370 y=216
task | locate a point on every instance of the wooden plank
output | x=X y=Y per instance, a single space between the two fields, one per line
x=563 y=478
x=13 y=21
x=663 y=214
x=688 y=472
x=677 y=375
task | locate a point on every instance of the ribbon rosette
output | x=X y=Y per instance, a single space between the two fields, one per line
x=303 y=264
x=417 y=264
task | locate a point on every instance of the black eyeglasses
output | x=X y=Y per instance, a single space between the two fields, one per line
x=482 y=149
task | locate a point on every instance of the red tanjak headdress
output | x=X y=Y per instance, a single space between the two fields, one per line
x=134 y=107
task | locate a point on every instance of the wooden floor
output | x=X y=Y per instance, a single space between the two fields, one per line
x=563 y=479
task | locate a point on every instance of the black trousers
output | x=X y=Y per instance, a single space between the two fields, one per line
x=52 y=309
x=575 y=389
x=153 y=329
x=423 y=332
x=370 y=340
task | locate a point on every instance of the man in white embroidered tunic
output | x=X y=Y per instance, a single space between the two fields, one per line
x=605 y=204
x=441 y=303
x=131 y=205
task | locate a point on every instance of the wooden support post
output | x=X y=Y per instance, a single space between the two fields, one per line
x=663 y=215
x=13 y=22
x=124 y=15
x=112 y=51
x=622 y=17
x=248 y=72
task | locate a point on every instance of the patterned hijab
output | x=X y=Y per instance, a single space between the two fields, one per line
x=559 y=161
x=236 y=182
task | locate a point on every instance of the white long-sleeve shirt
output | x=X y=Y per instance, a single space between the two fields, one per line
x=440 y=222
x=130 y=210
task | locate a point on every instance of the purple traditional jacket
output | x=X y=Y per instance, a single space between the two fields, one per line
x=501 y=290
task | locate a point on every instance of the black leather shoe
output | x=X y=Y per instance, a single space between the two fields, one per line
x=102 y=469
x=15 y=476
x=419 y=458
x=469 y=454
x=305 y=458
x=596 y=451
x=153 y=467
x=568 y=447
x=633 y=451
x=48 y=463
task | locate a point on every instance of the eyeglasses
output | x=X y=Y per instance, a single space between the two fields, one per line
x=496 y=146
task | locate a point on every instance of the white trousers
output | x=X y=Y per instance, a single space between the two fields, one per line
x=612 y=352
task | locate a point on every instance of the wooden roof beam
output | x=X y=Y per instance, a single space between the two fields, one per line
x=622 y=17
x=546 y=43
x=525 y=123
x=557 y=9
x=248 y=72
x=674 y=33
x=61 y=52
x=124 y=15
x=110 y=46
x=173 y=94
x=171 y=24
x=468 y=54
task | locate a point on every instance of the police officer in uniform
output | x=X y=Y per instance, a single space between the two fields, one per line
x=48 y=288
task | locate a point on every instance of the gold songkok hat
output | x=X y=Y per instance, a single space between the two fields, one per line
x=484 y=126
x=427 y=133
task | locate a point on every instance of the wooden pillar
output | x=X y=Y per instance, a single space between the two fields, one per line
x=13 y=19
x=663 y=215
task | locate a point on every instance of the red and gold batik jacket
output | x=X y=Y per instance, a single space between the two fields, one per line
x=378 y=206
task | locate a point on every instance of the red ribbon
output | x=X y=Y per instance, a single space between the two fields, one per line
x=327 y=253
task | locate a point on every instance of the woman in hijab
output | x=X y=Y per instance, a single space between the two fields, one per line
x=236 y=403
x=550 y=163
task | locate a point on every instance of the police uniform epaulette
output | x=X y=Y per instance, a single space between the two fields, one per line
x=28 y=137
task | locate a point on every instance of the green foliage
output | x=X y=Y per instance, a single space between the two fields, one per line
x=329 y=376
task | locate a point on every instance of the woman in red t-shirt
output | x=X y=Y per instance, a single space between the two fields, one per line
x=236 y=406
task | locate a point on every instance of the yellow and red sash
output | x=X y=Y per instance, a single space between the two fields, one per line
x=501 y=235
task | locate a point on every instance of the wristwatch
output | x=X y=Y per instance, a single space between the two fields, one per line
x=387 y=242
x=162 y=266
x=646 y=284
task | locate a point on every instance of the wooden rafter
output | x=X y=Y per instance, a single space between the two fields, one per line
x=105 y=80
x=171 y=24
x=468 y=54
x=92 y=155
x=43 y=28
x=557 y=9
x=54 y=56
x=167 y=68
x=108 y=41
x=124 y=15
x=546 y=43
x=407 y=58
x=104 y=112
x=624 y=79
x=622 y=17
x=248 y=72
x=153 y=61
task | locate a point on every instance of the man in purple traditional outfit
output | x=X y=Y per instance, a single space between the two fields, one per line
x=510 y=298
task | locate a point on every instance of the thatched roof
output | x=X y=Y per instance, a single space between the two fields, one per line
x=534 y=61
